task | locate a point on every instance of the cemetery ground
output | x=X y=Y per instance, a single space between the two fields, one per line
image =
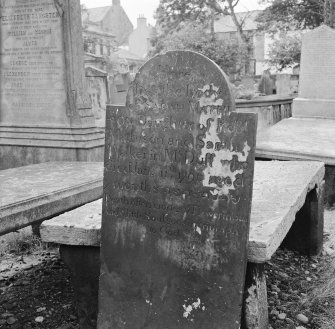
x=36 y=289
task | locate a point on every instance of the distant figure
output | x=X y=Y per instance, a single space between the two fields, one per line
x=265 y=85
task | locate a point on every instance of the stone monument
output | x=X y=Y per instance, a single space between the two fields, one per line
x=317 y=75
x=45 y=114
x=177 y=197
x=265 y=84
x=283 y=84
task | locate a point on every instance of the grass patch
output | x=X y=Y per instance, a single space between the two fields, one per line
x=23 y=241
x=321 y=299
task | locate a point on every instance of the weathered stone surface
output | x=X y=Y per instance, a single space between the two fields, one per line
x=283 y=84
x=317 y=75
x=299 y=138
x=43 y=97
x=270 y=109
x=255 y=306
x=39 y=67
x=177 y=199
x=33 y=193
x=12 y=156
x=32 y=64
x=275 y=204
x=310 y=134
x=280 y=190
x=78 y=227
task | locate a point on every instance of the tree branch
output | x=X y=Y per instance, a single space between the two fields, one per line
x=236 y=3
x=215 y=6
x=236 y=22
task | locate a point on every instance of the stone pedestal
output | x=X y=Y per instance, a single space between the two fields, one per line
x=20 y=146
x=45 y=114
x=317 y=75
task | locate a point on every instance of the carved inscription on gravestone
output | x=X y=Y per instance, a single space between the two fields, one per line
x=177 y=197
x=32 y=81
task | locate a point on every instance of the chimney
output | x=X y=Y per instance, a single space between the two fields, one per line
x=116 y=3
x=141 y=21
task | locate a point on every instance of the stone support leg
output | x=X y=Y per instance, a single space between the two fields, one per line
x=306 y=233
x=330 y=186
x=255 y=306
x=84 y=265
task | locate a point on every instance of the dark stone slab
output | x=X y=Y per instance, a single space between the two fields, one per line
x=177 y=198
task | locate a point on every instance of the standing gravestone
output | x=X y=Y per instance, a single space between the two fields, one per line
x=177 y=197
x=317 y=75
x=44 y=110
x=283 y=84
x=265 y=84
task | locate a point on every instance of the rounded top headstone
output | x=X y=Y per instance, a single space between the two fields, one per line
x=177 y=76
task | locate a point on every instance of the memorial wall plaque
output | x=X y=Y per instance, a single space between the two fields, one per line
x=32 y=85
x=177 y=197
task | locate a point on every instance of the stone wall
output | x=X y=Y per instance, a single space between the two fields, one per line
x=270 y=109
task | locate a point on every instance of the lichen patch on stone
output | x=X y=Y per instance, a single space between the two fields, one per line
x=191 y=307
x=215 y=154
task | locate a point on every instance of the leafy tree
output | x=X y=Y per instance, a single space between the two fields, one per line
x=281 y=17
x=171 y=14
x=285 y=51
x=230 y=55
x=286 y=15
x=329 y=13
x=190 y=25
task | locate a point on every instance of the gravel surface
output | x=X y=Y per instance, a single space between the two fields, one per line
x=36 y=291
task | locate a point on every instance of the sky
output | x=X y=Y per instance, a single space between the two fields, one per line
x=134 y=8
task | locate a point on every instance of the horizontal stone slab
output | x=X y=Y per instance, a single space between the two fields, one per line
x=299 y=139
x=279 y=191
x=33 y=193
